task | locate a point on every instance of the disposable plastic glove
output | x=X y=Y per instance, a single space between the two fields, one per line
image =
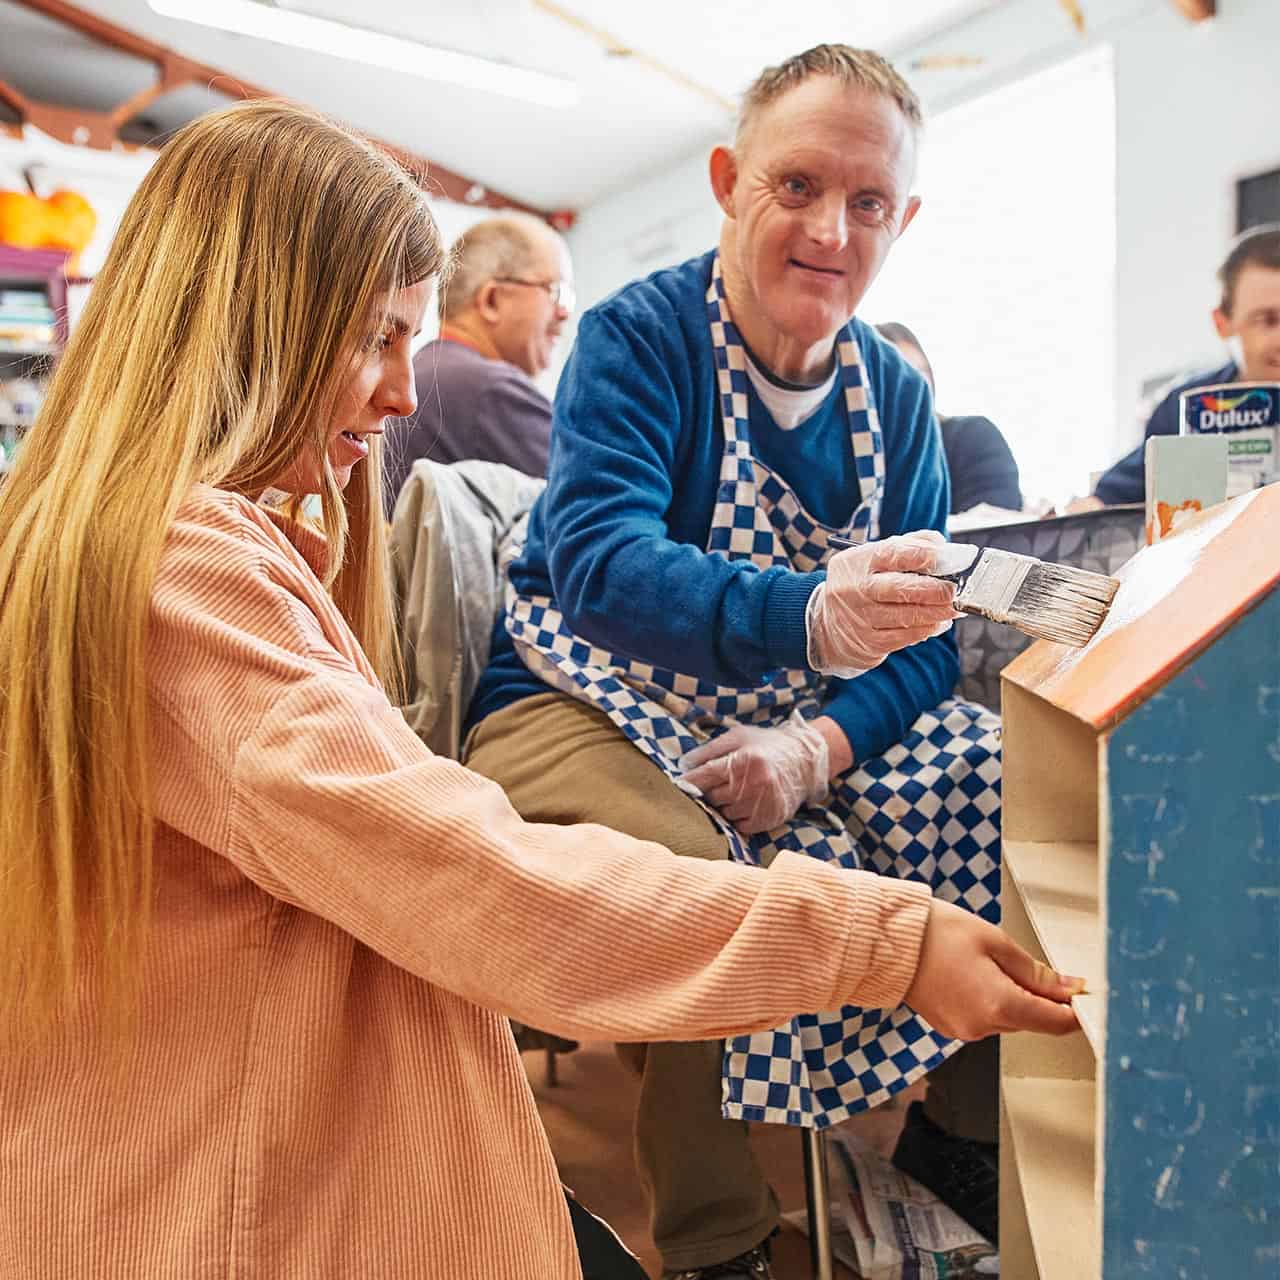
x=758 y=777
x=875 y=601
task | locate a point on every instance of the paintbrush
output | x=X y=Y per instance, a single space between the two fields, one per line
x=1049 y=601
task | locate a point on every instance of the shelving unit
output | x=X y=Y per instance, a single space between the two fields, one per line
x=45 y=271
x=1142 y=852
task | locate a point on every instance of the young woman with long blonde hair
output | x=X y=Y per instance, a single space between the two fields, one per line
x=255 y=940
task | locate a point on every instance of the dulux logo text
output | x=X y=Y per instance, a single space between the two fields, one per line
x=1211 y=410
x=1210 y=421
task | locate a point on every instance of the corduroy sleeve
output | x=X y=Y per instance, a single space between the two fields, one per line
x=275 y=748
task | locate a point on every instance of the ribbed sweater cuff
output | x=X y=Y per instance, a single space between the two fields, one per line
x=785 y=637
x=889 y=920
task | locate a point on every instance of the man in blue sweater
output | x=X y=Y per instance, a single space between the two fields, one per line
x=1248 y=321
x=686 y=657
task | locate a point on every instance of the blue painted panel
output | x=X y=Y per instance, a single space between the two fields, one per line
x=1192 y=1074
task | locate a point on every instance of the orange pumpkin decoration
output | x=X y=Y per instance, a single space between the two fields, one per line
x=65 y=220
x=23 y=219
x=78 y=220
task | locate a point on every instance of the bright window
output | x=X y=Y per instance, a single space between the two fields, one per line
x=1007 y=274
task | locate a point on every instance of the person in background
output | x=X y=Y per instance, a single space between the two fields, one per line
x=664 y=666
x=1248 y=320
x=508 y=295
x=979 y=460
x=257 y=944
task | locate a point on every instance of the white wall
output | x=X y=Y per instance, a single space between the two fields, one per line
x=1007 y=276
x=1197 y=106
x=659 y=221
x=108 y=179
x=666 y=219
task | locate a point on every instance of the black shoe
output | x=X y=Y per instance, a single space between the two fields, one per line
x=962 y=1172
x=752 y=1265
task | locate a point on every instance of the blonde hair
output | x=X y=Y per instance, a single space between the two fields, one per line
x=488 y=250
x=861 y=68
x=246 y=273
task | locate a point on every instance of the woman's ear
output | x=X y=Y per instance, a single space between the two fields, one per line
x=724 y=177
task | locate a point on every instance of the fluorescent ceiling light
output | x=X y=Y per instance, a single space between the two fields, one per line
x=358 y=44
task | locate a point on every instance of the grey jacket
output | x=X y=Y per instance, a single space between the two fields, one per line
x=447 y=532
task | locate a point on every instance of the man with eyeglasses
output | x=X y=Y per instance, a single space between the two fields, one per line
x=501 y=312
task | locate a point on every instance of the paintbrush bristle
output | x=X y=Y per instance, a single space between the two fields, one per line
x=1049 y=601
x=1061 y=603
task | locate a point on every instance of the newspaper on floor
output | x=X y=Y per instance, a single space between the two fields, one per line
x=886 y=1226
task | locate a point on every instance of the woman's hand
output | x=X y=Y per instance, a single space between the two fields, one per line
x=973 y=981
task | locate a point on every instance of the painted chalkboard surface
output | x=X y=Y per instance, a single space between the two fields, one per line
x=1142 y=849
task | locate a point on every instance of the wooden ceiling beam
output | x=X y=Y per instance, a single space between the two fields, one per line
x=101 y=128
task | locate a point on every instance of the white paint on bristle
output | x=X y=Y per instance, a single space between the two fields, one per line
x=1051 y=601
x=1062 y=603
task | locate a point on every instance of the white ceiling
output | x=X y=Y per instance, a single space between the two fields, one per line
x=632 y=119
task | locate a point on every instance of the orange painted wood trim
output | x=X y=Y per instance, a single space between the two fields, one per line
x=1176 y=597
x=13 y=97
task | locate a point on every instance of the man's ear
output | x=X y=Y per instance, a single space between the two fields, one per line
x=913 y=207
x=1223 y=323
x=486 y=301
x=724 y=177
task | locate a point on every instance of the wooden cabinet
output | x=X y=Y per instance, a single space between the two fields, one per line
x=1142 y=852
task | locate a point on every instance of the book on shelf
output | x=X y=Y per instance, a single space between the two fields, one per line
x=29 y=336
x=27 y=320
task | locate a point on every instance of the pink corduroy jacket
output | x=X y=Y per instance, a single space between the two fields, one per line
x=321 y=1081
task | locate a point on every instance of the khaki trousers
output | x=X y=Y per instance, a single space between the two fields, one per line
x=562 y=761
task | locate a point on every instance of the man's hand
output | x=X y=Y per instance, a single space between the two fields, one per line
x=875 y=601
x=758 y=777
x=1077 y=506
x=973 y=980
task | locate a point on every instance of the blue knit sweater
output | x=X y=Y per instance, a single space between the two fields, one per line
x=617 y=540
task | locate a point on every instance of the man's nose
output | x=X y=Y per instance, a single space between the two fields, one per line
x=829 y=222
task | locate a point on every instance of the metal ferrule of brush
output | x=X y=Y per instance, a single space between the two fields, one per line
x=988 y=583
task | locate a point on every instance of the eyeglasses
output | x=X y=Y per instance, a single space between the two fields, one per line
x=559 y=291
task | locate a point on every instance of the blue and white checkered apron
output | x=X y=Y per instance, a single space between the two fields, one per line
x=928 y=809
